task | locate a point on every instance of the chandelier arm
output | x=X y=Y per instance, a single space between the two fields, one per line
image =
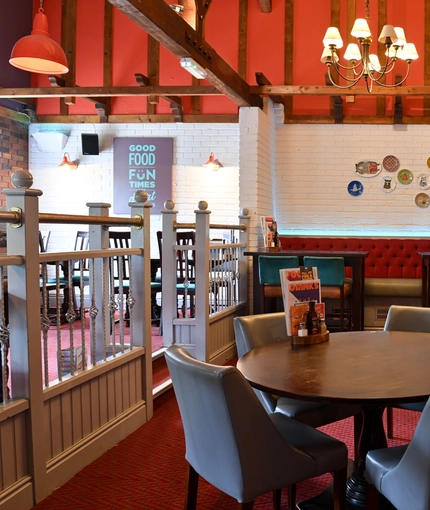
x=396 y=84
x=354 y=82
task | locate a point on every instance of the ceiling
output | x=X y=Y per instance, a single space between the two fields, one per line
x=183 y=35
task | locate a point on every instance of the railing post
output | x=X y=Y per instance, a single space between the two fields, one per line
x=243 y=261
x=140 y=290
x=202 y=280
x=168 y=273
x=25 y=353
x=99 y=240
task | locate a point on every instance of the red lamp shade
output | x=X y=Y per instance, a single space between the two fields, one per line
x=212 y=163
x=71 y=165
x=38 y=53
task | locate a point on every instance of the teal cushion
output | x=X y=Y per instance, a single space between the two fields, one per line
x=331 y=270
x=269 y=266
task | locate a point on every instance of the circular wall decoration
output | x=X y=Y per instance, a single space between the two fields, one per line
x=355 y=188
x=368 y=168
x=422 y=200
x=391 y=163
x=405 y=176
x=388 y=184
x=428 y=162
x=423 y=181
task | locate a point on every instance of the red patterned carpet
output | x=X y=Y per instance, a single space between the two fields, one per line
x=147 y=470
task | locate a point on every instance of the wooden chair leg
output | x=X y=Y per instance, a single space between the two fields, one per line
x=390 y=418
x=372 y=497
x=358 y=425
x=277 y=496
x=342 y=309
x=192 y=488
x=339 y=490
x=292 y=496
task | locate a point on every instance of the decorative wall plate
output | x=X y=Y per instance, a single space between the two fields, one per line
x=423 y=181
x=388 y=183
x=368 y=168
x=405 y=176
x=422 y=200
x=428 y=162
x=391 y=163
x=355 y=188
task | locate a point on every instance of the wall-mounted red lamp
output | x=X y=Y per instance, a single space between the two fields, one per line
x=213 y=163
x=38 y=53
x=66 y=163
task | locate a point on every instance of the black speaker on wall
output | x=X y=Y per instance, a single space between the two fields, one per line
x=90 y=144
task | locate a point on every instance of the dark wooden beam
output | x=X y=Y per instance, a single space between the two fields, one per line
x=68 y=42
x=288 y=52
x=58 y=82
x=427 y=51
x=202 y=7
x=138 y=119
x=170 y=30
x=107 y=61
x=265 y=5
x=323 y=90
x=243 y=37
x=382 y=20
x=398 y=104
x=262 y=80
x=337 y=103
x=100 y=92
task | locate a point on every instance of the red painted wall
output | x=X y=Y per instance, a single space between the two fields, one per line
x=265 y=52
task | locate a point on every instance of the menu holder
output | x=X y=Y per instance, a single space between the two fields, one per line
x=310 y=339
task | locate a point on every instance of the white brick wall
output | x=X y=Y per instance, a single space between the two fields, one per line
x=66 y=191
x=315 y=163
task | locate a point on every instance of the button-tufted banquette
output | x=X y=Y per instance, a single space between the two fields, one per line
x=392 y=267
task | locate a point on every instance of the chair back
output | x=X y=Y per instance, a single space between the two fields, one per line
x=408 y=484
x=81 y=244
x=44 y=236
x=408 y=318
x=331 y=270
x=230 y=439
x=120 y=264
x=269 y=266
x=254 y=331
x=185 y=261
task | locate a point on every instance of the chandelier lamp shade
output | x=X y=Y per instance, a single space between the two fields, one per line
x=213 y=163
x=66 y=163
x=38 y=53
x=364 y=64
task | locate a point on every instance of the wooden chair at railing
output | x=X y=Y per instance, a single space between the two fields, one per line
x=80 y=269
x=185 y=269
x=120 y=270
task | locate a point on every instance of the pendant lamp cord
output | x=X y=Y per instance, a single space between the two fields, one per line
x=41 y=4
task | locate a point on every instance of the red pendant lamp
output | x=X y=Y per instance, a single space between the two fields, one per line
x=66 y=163
x=38 y=53
x=213 y=163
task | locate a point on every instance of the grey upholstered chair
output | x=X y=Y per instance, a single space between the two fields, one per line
x=236 y=446
x=402 y=473
x=253 y=331
x=406 y=318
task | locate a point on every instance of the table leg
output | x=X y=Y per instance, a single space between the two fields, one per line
x=372 y=437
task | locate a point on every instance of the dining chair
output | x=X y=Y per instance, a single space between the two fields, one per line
x=406 y=318
x=402 y=473
x=252 y=331
x=269 y=277
x=185 y=269
x=239 y=448
x=80 y=270
x=120 y=269
x=334 y=285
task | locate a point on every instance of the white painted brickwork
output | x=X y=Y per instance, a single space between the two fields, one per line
x=315 y=163
x=66 y=191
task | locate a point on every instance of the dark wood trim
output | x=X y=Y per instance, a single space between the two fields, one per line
x=153 y=72
x=143 y=118
x=265 y=5
x=161 y=22
x=243 y=38
x=288 y=49
x=382 y=20
x=262 y=80
x=68 y=43
x=426 y=55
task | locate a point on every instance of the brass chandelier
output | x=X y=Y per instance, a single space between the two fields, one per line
x=363 y=63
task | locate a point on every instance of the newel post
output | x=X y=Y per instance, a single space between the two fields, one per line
x=168 y=272
x=202 y=280
x=244 y=268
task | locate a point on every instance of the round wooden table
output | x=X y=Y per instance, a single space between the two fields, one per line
x=368 y=368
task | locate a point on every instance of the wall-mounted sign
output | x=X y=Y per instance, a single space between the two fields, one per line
x=142 y=164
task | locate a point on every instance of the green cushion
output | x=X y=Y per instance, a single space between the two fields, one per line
x=269 y=266
x=331 y=270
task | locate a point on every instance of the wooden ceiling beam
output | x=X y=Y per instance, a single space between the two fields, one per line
x=322 y=90
x=176 y=35
x=58 y=82
x=100 y=92
x=262 y=80
x=265 y=5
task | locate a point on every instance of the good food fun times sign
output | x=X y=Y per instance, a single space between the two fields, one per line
x=142 y=164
